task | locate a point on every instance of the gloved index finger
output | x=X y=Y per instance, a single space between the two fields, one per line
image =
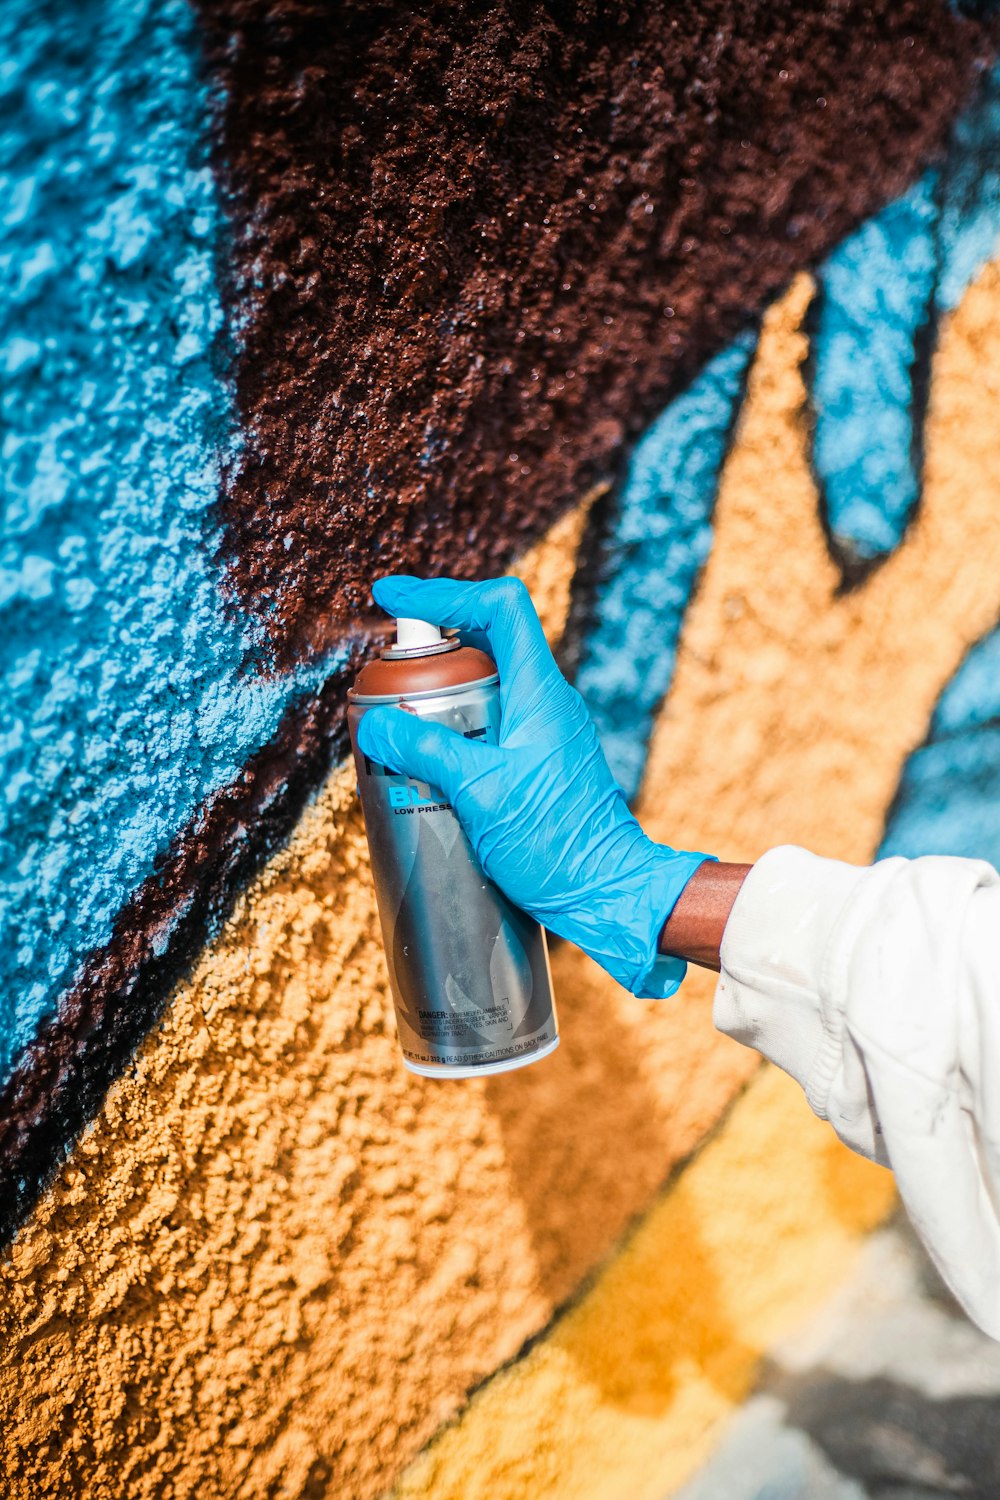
x=500 y=607
x=421 y=748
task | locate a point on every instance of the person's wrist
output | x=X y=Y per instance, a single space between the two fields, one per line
x=666 y=874
x=694 y=927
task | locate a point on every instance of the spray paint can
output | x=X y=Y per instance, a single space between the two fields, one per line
x=469 y=971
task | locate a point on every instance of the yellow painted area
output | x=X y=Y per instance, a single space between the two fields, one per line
x=547 y=570
x=623 y=1397
x=276 y=1263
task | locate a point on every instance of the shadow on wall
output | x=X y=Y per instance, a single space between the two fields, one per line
x=898 y=1442
x=663 y=1327
x=585 y=1139
x=625 y=1392
x=690 y=1319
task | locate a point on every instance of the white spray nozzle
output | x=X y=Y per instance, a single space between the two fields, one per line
x=412 y=634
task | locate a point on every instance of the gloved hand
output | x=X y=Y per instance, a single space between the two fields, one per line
x=548 y=823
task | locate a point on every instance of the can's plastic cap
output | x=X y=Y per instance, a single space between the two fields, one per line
x=412 y=634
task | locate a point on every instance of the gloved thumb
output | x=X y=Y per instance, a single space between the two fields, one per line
x=412 y=746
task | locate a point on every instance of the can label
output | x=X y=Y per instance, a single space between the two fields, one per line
x=469 y=971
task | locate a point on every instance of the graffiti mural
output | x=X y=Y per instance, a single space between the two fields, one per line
x=141 y=500
x=694 y=323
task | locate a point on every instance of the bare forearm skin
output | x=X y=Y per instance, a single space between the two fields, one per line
x=695 y=926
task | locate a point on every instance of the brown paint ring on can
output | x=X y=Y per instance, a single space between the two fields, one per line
x=382 y=678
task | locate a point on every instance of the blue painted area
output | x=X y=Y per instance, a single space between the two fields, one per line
x=874 y=298
x=969 y=229
x=878 y=293
x=124 y=700
x=949 y=796
x=948 y=800
x=660 y=541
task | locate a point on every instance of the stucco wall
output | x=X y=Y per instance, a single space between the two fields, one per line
x=246 y=1254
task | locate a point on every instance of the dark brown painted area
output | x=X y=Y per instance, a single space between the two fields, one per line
x=479 y=246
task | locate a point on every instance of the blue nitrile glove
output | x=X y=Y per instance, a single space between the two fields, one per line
x=546 y=819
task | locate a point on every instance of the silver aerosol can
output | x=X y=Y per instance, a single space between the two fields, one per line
x=469 y=971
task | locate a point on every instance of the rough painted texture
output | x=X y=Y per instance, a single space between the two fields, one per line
x=948 y=801
x=846 y=683
x=463 y=291
x=295 y=1256
x=276 y=1263
x=129 y=695
x=880 y=296
x=873 y=325
x=656 y=545
x=303 y=1256
x=59 y=1080
x=872 y=322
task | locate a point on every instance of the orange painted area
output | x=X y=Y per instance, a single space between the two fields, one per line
x=277 y=1263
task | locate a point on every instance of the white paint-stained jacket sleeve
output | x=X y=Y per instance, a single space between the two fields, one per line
x=878 y=990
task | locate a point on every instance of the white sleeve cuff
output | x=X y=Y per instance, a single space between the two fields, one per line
x=773 y=994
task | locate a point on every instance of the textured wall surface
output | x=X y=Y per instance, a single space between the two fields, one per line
x=261 y=340
x=522 y=248
x=874 y=320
